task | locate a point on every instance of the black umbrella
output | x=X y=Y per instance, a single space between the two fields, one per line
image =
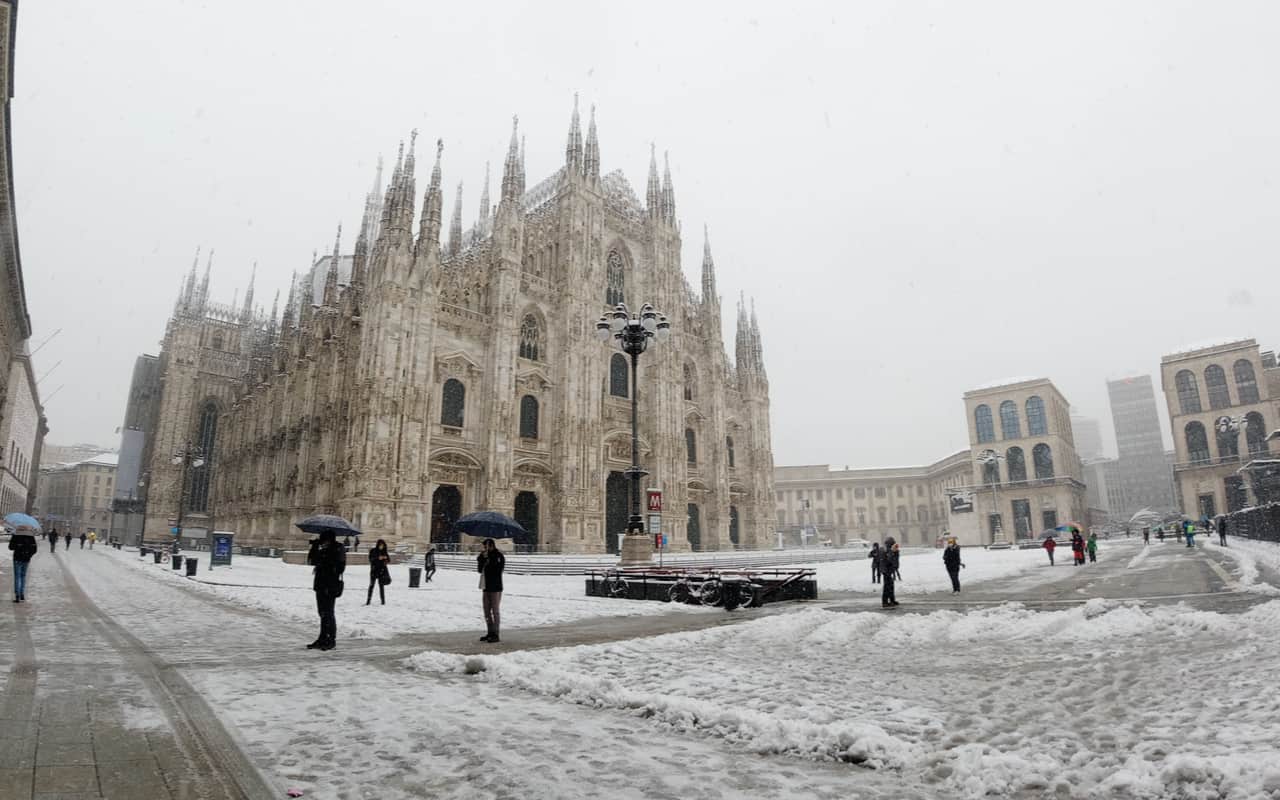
x=327 y=522
x=489 y=524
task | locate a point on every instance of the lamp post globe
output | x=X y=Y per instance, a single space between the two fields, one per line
x=632 y=333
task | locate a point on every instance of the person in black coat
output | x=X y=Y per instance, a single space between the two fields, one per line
x=379 y=571
x=329 y=559
x=53 y=540
x=888 y=571
x=429 y=565
x=490 y=564
x=951 y=560
x=1222 y=531
x=68 y=538
x=24 y=547
x=874 y=555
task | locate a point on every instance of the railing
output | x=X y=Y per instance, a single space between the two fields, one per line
x=580 y=564
x=1201 y=463
x=1258 y=522
x=463 y=313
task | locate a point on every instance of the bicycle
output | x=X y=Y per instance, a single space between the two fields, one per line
x=697 y=589
x=615 y=584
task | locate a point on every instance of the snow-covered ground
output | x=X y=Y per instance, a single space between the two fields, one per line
x=1249 y=554
x=450 y=602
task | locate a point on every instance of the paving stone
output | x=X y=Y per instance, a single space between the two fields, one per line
x=17 y=753
x=56 y=753
x=65 y=733
x=19 y=728
x=128 y=780
x=15 y=784
x=120 y=747
x=66 y=780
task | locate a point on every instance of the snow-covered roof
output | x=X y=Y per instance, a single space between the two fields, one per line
x=1208 y=344
x=102 y=460
x=1004 y=382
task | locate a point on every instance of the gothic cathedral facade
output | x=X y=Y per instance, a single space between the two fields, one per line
x=410 y=382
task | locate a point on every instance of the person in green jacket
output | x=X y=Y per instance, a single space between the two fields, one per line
x=1092 y=546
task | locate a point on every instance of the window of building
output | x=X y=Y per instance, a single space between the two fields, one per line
x=862 y=516
x=690 y=382
x=615 y=279
x=1010 y=426
x=530 y=338
x=1022 y=519
x=983 y=422
x=1188 y=392
x=1246 y=382
x=1197 y=442
x=728 y=449
x=903 y=516
x=217 y=340
x=529 y=417
x=1228 y=442
x=453 y=400
x=922 y=513
x=899 y=491
x=205 y=437
x=880 y=491
x=1215 y=380
x=1037 y=425
x=860 y=493
x=883 y=514
x=690 y=446
x=619 y=377
x=1016 y=464
x=1255 y=433
x=1049 y=518
x=990 y=472
x=1043 y=458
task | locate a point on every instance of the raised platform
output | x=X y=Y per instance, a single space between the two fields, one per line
x=768 y=586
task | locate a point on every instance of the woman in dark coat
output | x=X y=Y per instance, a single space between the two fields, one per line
x=429 y=564
x=379 y=573
x=874 y=555
x=24 y=548
x=951 y=560
x=330 y=560
x=490 y=564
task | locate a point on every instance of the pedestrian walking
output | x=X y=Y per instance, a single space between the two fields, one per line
x=1160 y=534
x=888 y=569
x=379 y=571
x=490 y=564
x=1146 y=534
x=53 y=540
x=1191 y=534
x=1049 y=545
x=93 y=537
x=874 y=555
x=67 y=536
x=951 y=559
x=1077 y=546
x=1222 y=530
x=1092 y=546
x=429 y=564
x=24 y=547
x=83 y=536
x=329 y=561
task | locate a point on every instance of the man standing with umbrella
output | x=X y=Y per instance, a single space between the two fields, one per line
x=24 y=547
x=329 y=558
x=490 y=564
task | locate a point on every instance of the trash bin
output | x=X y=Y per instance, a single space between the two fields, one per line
x=142 y=551
x=415 y=577
x=158 y=555
x=177 y=562
x=191 y=567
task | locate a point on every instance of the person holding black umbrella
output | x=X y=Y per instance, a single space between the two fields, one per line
x=490 y=564
x=329 y=560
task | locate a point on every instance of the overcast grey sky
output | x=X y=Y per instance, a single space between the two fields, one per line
x=921 y=196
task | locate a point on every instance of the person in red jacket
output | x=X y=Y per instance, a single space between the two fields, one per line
x=1049 y=544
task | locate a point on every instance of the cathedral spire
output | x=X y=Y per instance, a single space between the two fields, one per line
x=708 y=270
x=389 y=201
x=286 y=322
x=591 y=157
x=742 y=340
x=372 y=210
x=275 y=310
x=757 y=349
x=512 y=170
x=668 y=193
x=432 y=205
x=573 y=150
x=653 y=192
x=247 y=312
x=455 y=226
x=484 y=201
x=187 y=296
x=404 y=213
x=331 y=277
x=203 y=297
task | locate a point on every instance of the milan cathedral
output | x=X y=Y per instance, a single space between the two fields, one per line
x=407 y=382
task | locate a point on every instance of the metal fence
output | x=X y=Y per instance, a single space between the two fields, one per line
x=1258 y=522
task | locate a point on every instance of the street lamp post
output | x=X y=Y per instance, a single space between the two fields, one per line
x=187 y=458
x=990 y=458
x=631 y=333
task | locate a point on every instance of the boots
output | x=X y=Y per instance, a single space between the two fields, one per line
x=494 y=638
x=316 y=643
x=369 y=599
x=492 y=635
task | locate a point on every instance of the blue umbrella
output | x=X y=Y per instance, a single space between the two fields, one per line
x=20 y=522
x=327 y=522
x=489 y=524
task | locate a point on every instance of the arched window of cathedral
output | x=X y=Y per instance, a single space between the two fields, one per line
x=529 y=417
x=615 y=279
x=690 y=446
x=1197 y=442
x=983 y=422
x=453 y=401
x=217 y=340
x=1036 y=423
x=205 y=435
x=690 y=382
x=530 y=338
x=1215 y=380
x=1042 y=457
x=1017 y=464
x=728 y=448
x=618 y=377
x=1188 y=391
x=1010 y=427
